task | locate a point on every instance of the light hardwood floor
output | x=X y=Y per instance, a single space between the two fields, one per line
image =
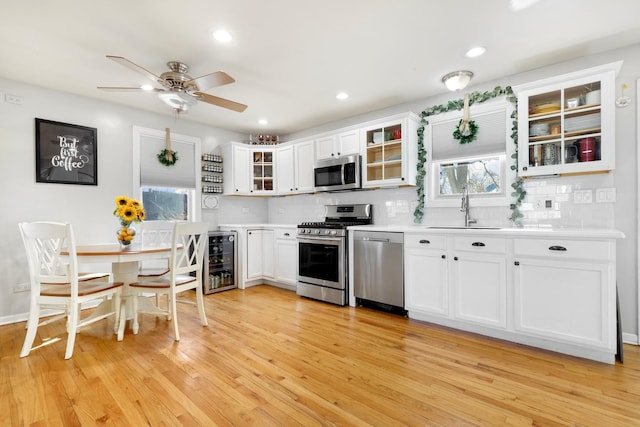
x=271 y=358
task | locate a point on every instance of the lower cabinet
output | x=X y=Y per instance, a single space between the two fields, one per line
x=271 y=256
x=426 y=274
x=553 y=293
x=563 y=291
x=480 y=280
x=286 y=256
x=259 y=254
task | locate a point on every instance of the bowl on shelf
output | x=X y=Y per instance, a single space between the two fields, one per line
x=539 y=129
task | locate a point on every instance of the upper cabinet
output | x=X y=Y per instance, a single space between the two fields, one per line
x=339 y=144
x=250 y=170
x=389 y=151
x=566 y=124
x=294 y=168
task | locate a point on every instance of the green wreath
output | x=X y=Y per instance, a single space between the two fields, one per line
x=168 y=157
x=465 y=139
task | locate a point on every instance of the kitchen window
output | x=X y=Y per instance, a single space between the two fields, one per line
x=167 y=193
x=483 y=165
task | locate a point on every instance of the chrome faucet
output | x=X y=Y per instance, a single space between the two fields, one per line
x=465 y=207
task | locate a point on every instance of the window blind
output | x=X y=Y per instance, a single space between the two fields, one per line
x=491 y=137
x=153 y=173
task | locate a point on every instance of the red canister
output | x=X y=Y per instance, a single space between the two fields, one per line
x=587 y=149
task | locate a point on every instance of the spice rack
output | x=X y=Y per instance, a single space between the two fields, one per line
x=212 y=173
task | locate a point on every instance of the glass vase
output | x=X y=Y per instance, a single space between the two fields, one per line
x=125 y=233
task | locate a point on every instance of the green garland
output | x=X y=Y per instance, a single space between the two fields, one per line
x=465 y=139
x=162 y=157
x=476 y=97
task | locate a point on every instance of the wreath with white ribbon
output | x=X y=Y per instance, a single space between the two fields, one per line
x=167 y=156
x=466 y=130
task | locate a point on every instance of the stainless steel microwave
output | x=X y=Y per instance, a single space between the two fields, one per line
x=338 y=173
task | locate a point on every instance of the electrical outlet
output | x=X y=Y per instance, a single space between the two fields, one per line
x=583 y=196
x=22 y=287
x=605 y=195
x=245 y=210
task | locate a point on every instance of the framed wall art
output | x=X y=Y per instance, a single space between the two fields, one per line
x=66 y=153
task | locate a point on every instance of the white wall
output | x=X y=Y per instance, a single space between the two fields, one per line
x=88 y=208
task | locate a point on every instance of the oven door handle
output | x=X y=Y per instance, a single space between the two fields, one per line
x=319 y=240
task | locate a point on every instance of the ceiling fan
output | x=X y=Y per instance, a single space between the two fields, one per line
x=180 y=91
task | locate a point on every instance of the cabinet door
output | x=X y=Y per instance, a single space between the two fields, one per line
x=304 y=161
x=480 y=288
x=285 y=177
x=566 y=301
x=286 y=261
x=237 y=171
x=348 y=143
x=254 y=254
x=325 y=147
x=262 y=171
x=268 y=268
x=567 y=124
x=426 y=281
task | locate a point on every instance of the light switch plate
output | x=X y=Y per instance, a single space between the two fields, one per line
x=583 y=196
x=606 y=195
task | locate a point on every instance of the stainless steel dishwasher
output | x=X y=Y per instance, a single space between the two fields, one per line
x=378 y=269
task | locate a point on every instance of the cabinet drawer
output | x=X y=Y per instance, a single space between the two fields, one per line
x=494 y=245
x=286 y=233
x=425 y=241
x=563 y=248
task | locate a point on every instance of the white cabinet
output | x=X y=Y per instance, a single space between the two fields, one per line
x=339 y=144
x=563 y=291
x=294 y=168
x=566 y=124
x=426 y=274
x=262 y=171
x=480 y=280
x=286 y=256
x=553 y=290
x=389 y=149
x=259 y=254
x=237 y=172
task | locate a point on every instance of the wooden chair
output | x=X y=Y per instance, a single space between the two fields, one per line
x=185 y=272
x=55 y=283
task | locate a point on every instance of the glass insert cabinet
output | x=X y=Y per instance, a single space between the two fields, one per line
x=566 y=124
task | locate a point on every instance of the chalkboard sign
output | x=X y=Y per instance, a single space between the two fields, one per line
x=66 y=153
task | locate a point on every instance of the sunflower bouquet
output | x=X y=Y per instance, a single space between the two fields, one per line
x=128 y=211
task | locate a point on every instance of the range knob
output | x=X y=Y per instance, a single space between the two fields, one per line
x=333 y=232
x=316 y=231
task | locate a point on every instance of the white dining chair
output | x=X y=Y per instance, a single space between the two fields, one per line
x=155 y=233
x=55 y=283
x=185 y=272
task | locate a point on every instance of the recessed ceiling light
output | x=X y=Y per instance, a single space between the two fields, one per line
x=521 y=4
x=146 y=87
x=263 y=122
x=342 y=96
x=475 y=51
x=223 y=36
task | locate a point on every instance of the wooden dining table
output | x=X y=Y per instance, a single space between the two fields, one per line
x=125 y=264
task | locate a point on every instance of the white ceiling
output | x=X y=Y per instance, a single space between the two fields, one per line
x=291 y=57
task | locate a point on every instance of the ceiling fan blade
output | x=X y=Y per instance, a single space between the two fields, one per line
x=127 y=89
x=135 y=67
x=208 y=81
x=220 y=102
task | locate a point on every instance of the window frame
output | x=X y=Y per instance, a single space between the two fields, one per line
x=507 y=175
x=195 y=208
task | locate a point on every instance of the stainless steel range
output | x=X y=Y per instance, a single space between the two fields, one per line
x=323 y=266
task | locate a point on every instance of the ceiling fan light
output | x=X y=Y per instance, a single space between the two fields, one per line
x=457 y=80
x=177 y=100
x=146 y=87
